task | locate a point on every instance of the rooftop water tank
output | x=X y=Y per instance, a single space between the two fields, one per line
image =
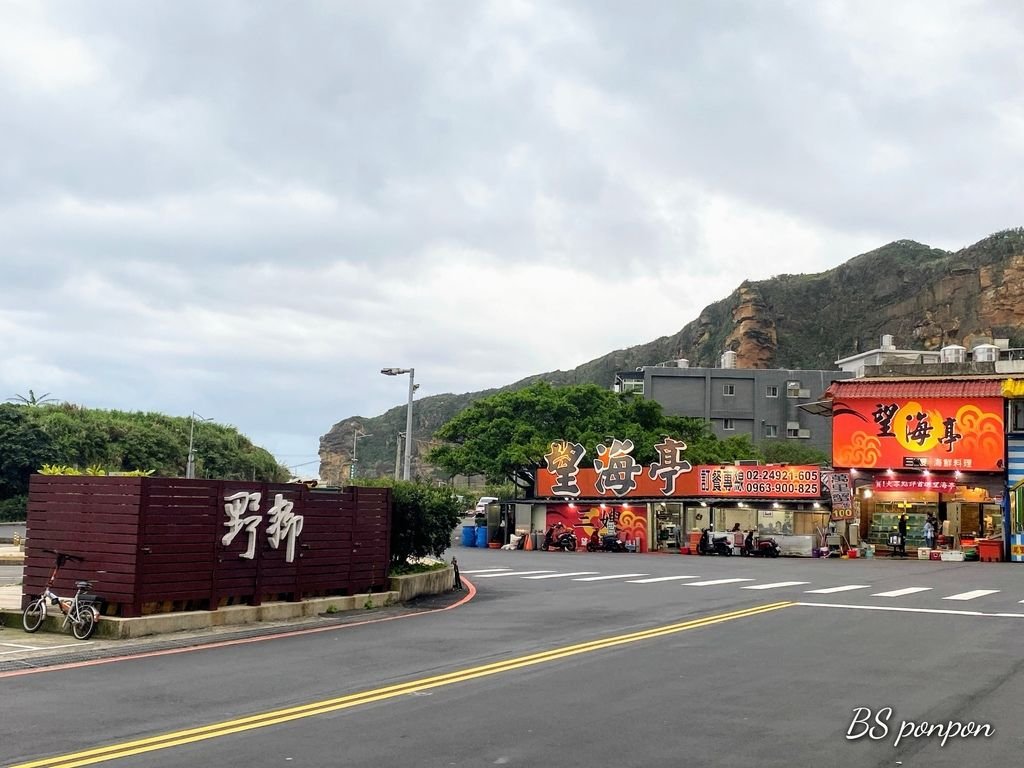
x=985 y=353
x=953 y=353
x=887 y=342
x=682 y=363
x=728 y=359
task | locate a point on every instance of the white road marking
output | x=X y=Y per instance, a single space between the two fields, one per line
x=560 y=575
x=901 y=592
x=776 y=585
x=899 y=609
x=972 y=594
x=40 y=647
x=606 y=578
x=713 y=582
x=830 y=590
x=659 y=578
x=509 y=573
x=485 y=570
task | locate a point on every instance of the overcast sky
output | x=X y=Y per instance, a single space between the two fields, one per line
x=247 y=209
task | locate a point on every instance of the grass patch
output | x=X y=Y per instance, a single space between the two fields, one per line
x=405 y=569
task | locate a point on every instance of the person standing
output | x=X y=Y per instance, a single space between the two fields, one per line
x=929 y=533
x=902 y=527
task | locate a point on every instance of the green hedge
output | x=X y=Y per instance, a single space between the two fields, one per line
x=13 y=509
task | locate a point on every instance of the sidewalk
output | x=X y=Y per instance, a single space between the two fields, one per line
x=10 y=587
x=11 y=555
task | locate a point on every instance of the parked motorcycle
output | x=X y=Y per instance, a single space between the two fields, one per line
x=761 y=546
x=608 y=543
x=714 y=544
x=559 y=537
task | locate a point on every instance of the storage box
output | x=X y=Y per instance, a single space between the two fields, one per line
x=934 y=554
x=923 y=553
x=954 y=557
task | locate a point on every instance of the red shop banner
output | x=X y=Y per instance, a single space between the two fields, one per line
x=914 y=483
x=719 y=481
x=938 y=433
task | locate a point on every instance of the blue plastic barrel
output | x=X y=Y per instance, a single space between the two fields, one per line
x=481 y=537
x=469 y=535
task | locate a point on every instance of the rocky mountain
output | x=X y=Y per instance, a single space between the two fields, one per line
x=925 y=297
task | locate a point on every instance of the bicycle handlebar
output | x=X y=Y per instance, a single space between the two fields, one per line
x=64 y=555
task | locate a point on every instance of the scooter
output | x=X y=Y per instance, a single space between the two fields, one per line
x=762 y=546
x=711 y=544
x=559 y=537
x=607 y=543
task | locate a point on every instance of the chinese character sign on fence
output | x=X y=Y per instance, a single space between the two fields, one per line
x=283 y=522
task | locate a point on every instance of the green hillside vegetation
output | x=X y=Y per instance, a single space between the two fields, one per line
x=32 y=435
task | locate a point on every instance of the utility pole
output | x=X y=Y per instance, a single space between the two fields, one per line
x=398 y=453
x=356 y=434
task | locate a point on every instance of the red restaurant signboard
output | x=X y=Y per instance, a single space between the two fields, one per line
x=938 y=433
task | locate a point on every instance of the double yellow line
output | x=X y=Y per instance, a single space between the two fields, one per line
x=277 y=716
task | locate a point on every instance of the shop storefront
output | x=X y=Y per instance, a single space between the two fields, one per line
x=665 y=505
x=930 y=450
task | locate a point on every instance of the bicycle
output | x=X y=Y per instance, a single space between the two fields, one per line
x=80 y=611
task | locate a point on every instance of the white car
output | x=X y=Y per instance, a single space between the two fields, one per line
x=481 y=505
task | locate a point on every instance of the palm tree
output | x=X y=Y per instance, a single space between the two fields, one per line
x=32 y=400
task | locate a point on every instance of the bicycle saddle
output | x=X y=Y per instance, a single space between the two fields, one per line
x=83 y=584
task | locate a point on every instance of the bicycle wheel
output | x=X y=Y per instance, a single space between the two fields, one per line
x=84 y=624
x=32 y=618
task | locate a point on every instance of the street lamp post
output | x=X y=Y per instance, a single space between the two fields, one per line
x=355 y=436
x=408 y=415
x=190 y=466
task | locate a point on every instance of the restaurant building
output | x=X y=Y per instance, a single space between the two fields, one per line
x=918 y=446
x=665 y=505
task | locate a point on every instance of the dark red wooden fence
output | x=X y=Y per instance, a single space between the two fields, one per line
x=154 y=544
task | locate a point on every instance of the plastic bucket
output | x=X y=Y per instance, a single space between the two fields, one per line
x=469 y=535
x=481 y=537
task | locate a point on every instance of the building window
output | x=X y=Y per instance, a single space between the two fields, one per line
x=793 y=390
x=729 y=425
x=771 y=430
x=634 y=386
x=728 y=389
x=771 y=391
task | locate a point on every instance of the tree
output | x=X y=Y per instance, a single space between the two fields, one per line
x=423 y=517
x=118 y=441
x=505 y=436
x=32 y=400
x=24 y=447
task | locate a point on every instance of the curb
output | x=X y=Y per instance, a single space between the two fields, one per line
x=404 y=589
x=116 y=628
x=12 y=560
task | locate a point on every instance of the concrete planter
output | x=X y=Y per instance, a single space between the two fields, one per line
x=426 y=583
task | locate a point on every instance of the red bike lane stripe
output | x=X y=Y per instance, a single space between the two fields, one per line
x=470 y=594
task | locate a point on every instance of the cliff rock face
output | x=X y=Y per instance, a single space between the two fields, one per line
x=753 y=337
x=925 y=297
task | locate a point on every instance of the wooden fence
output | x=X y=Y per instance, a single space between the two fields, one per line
x=160 y=544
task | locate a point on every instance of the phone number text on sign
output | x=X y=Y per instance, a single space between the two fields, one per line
x=760 y=481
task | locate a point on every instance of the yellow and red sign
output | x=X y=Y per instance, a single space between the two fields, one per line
x=717 y=481
x=929 y=433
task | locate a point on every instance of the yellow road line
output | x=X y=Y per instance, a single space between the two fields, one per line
x=275 y=717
